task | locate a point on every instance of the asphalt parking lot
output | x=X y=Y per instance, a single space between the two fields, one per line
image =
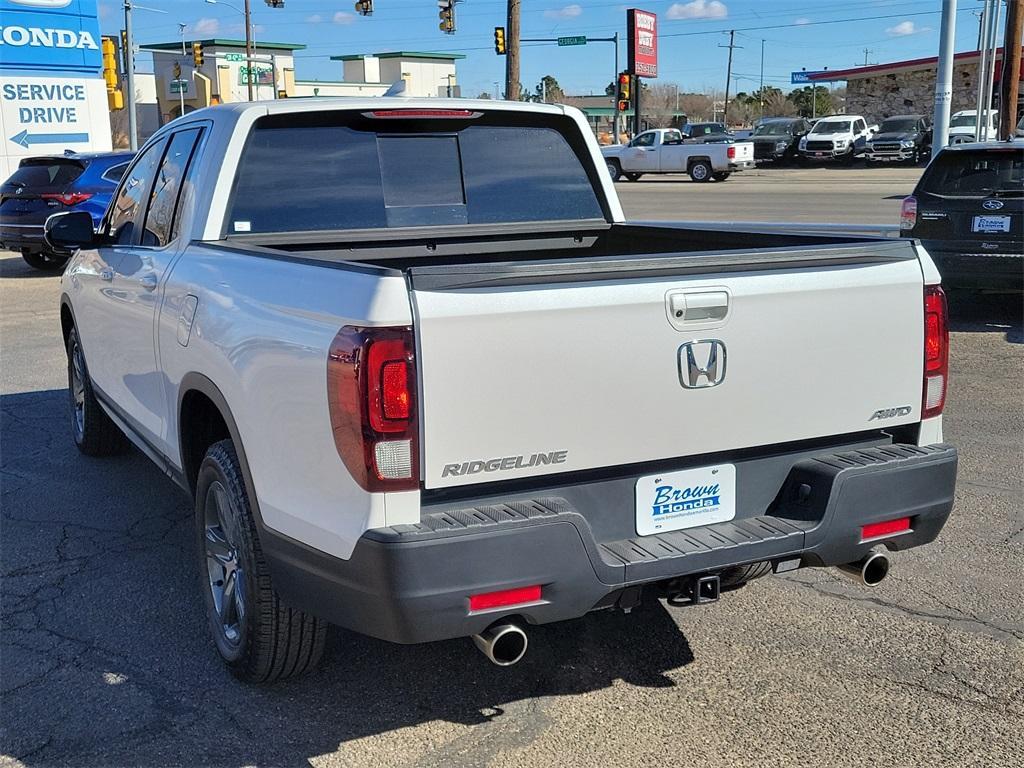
x=105 y=659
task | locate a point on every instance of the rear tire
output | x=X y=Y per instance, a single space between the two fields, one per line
x=259 y=637
x=701 y=171
x=94 y=432
x=614 y=169
x=633 y=176
x=721 y=176
x=43 y=261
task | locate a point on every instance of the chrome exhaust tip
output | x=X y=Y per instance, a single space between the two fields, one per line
x=504 y=643
x=871 y=569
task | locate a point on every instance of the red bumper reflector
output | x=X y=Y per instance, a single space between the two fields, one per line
x=518 y=596
x=886 y=528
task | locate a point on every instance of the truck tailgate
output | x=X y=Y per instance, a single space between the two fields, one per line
x=534 y=368
x=744 y=151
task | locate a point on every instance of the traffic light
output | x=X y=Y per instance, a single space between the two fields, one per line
x=110 y=75
x=499 y=41
x=364 y=7
x=446 y=13
x=197 y=55
x=124 y=51
x=625 y=91
x=275 y=3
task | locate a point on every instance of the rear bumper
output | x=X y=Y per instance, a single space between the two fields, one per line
x=412 y=583
x=16 y=237
x=742 y=165
x=964 y=263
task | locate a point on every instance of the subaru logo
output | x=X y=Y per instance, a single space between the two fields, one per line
x=702 y=364
x=992 y=205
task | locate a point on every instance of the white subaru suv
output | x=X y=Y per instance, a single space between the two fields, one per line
x=838 y=137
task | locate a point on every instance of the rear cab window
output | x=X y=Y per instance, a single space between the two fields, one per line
x=975 y=173
x=323 y=171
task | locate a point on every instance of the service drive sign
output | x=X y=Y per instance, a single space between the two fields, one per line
x=643 y=42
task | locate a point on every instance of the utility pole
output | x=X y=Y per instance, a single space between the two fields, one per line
x=1009 y=85
x=512 y=88
x=760 y=89
x=728 y=75
x=944 y=80
x=248 y=48
x=866 y=52
x=129 y=56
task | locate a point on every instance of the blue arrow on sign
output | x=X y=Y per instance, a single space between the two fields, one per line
x=26 y=139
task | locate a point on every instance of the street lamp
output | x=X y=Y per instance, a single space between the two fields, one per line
x=248 y=38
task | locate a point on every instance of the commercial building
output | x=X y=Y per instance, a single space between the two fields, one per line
x=900 y=87
x=223 y=74
x=52 y=95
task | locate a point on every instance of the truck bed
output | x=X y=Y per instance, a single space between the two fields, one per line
x=482 y=255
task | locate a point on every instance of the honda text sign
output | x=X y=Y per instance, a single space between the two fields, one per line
x=642 y=27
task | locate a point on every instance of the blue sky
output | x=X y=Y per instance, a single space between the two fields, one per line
x=689 y=35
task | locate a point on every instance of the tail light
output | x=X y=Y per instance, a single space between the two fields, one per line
x=908 y=213
x=731 y=153
x=371 y=393
x=67 y=198
x=936 y=352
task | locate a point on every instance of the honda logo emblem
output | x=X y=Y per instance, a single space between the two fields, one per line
x=702 y=364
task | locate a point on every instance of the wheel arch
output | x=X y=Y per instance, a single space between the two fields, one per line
x=204 y=417
x=67 y=318
x=698 y=158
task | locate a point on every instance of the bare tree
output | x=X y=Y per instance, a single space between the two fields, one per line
x=696 y=106
x=658 y=104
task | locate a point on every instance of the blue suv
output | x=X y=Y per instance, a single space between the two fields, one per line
x=81 y=181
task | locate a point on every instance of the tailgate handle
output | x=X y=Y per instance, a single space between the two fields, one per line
x=698 y=306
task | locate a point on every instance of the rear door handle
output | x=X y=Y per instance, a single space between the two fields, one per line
x=148 y=281
x=107 y=274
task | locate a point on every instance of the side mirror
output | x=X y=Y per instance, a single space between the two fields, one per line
x=69 y=231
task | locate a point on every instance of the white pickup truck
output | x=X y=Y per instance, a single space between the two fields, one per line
x=665 y=150
x=421 y=392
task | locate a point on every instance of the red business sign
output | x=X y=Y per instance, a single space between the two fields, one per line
x=642 y=27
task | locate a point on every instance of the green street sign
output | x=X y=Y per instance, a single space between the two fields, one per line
x=179 y=86
x=233 y=57
x=574 y=40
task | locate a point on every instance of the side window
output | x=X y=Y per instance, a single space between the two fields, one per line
x=164 y=199
x=115 y=172
x=644 y=140
x=129 y=205
x=860 y=126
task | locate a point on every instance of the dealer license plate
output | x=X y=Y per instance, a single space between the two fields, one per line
x=685 y=499
x=991 y=224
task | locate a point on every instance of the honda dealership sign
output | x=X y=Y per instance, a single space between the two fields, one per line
x=52 y=94
x=642 y=31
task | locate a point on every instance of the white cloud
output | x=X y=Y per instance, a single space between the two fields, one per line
x=316 y=18
x=344 y=17
x=568 y=12
x=905 y=28
x=698 y=9
x=206 y=27
x=104 y=10
x=802 y=21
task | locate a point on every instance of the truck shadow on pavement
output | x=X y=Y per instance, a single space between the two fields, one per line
x=12 y=265
x=105 y=657
x=977 y=312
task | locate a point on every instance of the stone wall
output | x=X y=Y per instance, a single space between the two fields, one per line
x=908 y=92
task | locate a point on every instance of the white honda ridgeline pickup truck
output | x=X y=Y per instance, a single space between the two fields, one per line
x=423 y=381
